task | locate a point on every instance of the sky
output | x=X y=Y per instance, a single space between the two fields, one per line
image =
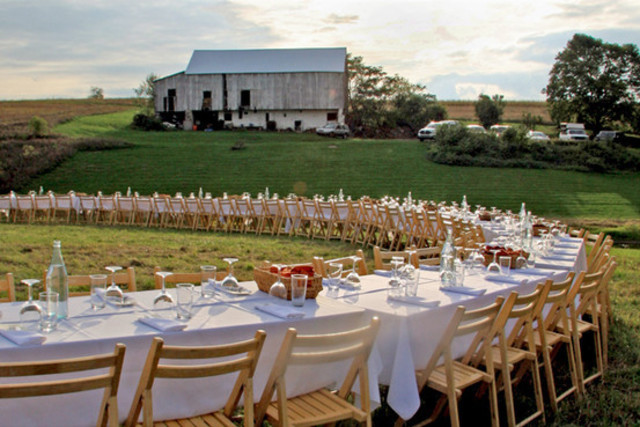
x=457 y=48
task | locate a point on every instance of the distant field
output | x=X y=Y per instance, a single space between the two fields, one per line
x=465 y=110
x=15 y=115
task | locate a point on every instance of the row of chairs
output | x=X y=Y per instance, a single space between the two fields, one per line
x=366 y=221
x=317 y=407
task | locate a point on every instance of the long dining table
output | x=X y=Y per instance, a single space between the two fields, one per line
x=408 y=335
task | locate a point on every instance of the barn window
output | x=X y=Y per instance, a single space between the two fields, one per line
x=332 y=117
x=245 y=98
x=206 y=100
x=171 y=100
x=228 y=117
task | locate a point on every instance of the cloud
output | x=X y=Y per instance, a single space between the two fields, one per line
x=514 y=86
x=341 y=19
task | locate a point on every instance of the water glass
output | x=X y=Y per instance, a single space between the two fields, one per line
x=531 y=261
x=49 y=314
x=298 y=289
x=505 y=265
x=207 y=272
x=184 y=300
x=411 y=285
x=98 y=291
x=460 y=272
x=335 y=274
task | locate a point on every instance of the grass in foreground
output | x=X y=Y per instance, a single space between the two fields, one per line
x=306 y=164
x=87 y=249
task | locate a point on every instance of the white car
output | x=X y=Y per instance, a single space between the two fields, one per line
x=333 y=129
x=574 y=135
x=499 y=129
x=535 y=135
x=429 y=131
x=476 y=129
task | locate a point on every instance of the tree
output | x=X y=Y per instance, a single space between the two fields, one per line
x=489 y=110
x=378 y=100
x=594 y=82
x=146 y=94
x=96 y=93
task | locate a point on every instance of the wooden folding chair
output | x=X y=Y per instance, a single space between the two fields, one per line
x=214 y=360
x=340 y=220
x=43 y=208
x=516 y=351
x=272 y=217
x=109 y=380
x=175 y=216
x=6 y=207
x=291 y=216
x=553 y=334
x=79 y=284
x=63 y=207
x=7 y=289
x=228 y=217
x=125 y=210
x=246 y=216
x=143 y=210
x=594 y=241
x=382 y=259
x=192 y=212
x=324 y=219
x=320 y=406
x=257 y=206
x=426 y=256
x=209 y=214
x=321 y=266
x=24 y=209
x=604 y=308
x=392 y=228
x=452 y=377
x=106 y=209
x=88 y=208
x=177 y=277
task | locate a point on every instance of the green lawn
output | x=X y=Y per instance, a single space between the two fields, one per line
x=306 y=164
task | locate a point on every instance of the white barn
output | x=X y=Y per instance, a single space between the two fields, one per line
x=274 y=89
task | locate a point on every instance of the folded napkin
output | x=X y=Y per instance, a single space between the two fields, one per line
x=383 y=273
x=532 y=271
x=463 y=290
x=561 y=253
x=505 y=279
x=127 y=301
x=162 y=324
x=414 y=300
x=281 y=311
x=550 y=266
x=349 y=286
x=430 y=267
x=23 y=338
x=568 y=245
x=232 y=291
x=568 y=239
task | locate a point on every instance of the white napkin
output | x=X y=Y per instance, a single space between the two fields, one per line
x=281 y=311
x=414 y=300
x=550 y=265
x=429 y=267
x=127 y=301
x=162 y=324
x=23 y=338
x=556 y=258
x=231 y=291
x=568 y=245
x=463 y=290
x=532 y=271
x=562 y=253
x=383 y=273
x=505 y=279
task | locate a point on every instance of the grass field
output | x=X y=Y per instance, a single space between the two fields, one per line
x=306 y=164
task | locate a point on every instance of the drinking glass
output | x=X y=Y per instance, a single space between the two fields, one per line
x=230 y=281
x=335 y=274
x=184 y=304
x=98 y=290
x=164 y=295
x=460 y=271
x=353 y=278
x=531 y=261
x=298 y=289
x=411 y=285
x=30 y=310
x=114 y=292
x=278 y=289
x=49 y=311
x=494 y=267
x=396 y=282
x=505 y=265
x=521 y=261
x=207 y=272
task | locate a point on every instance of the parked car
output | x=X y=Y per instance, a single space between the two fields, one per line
x=499 y=129
x=429 y=131
x=334 y=129
x=476 y=129
x=607 y=135
x=573 y=135
x=536 y=135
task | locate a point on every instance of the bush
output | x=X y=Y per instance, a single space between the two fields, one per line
x=38 y=127
x=147 y=123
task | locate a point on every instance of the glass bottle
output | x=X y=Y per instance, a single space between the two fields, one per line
x=58 y=280
x=447 y=260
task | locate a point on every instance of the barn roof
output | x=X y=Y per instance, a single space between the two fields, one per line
x=267 y=61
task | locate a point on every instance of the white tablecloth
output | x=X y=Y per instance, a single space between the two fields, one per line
x=223 y=319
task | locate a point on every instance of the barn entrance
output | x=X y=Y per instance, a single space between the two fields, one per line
x=207 y=120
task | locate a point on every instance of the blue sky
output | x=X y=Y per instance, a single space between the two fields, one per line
x=458 y=49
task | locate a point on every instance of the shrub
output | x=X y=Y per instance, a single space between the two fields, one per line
x=147 y=123
x=38 y=127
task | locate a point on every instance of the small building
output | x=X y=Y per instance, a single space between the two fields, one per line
x=274 y=89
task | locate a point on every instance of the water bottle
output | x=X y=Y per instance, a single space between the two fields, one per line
x=523 y=212
x=464 y=205
x=58 y=280
x=447 y=262
x=527 y=232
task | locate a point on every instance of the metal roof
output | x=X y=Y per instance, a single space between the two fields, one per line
x=267 y=61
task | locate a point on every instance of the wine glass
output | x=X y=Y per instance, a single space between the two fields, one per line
x=278 y=289
x=29 y=310
x=478 y=259
x=494 y=267
x=230 y=281
x=114 y=292
x=353 y=278
x=335 y=274
x=164 y=296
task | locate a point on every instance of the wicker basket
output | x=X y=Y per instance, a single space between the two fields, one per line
x=488 y=258
x=265 y=278
x=539 y=228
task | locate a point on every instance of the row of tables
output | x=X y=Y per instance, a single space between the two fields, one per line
x=407 y=337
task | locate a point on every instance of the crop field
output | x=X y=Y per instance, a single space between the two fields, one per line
x=513 y=111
